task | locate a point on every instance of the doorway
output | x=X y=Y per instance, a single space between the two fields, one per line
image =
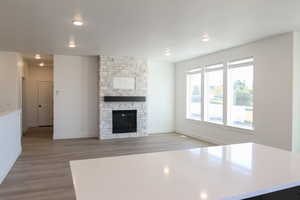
x=45 y=103
x=37 y=103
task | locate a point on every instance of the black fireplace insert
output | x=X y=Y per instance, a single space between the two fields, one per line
x=124 y=121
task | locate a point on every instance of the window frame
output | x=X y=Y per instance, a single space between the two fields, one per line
x=194 y=71
x=231 y=65
x=212 y=68
x=226 y=65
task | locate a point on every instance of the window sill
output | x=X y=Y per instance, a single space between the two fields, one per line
x=224 y=127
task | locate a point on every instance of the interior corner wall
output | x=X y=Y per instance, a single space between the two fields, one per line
x=24 y=99
x=75 y=97
x=272 y=94
x=161 y=97
x=296 y=93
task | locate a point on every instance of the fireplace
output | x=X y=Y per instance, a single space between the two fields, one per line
x=122 y=97
x=124 y=121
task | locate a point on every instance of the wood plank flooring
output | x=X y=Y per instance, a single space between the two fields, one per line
x=42 y=172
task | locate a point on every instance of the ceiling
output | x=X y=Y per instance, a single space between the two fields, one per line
x=142 y=28
x=46 y=59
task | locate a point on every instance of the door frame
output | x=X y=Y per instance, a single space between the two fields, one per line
x=52 y=102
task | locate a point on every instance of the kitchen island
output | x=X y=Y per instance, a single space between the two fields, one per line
x=230 y=172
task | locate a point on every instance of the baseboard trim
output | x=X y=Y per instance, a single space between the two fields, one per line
x=200 y=137
x=161 y=132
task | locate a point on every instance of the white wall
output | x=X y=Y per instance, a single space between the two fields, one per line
x=9 y=83
x=10 y=141
x=33 y=74
x=10 y=113
x=75 y=97
x=161 y=97
x=272 y=94
x=296 y=93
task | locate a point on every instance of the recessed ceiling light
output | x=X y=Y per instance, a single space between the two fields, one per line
x=167 y=52
x=166 y=170
x=205 y=37
x=77 y=23
x=37 y=56
x=42 y=64
x=72 y=44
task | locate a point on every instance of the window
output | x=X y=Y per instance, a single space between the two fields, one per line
x=213 y=97
x=222 y=94
x=240 y=94
x=194 y=95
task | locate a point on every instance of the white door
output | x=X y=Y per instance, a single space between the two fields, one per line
x=45 y=103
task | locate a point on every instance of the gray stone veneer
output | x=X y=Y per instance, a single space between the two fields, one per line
x=110 y=67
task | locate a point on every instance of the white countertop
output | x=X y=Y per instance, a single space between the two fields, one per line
x=212 y=173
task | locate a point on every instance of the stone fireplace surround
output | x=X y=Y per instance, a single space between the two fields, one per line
x=121 y=67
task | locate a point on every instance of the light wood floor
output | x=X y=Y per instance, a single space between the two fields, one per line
x=42 y=172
